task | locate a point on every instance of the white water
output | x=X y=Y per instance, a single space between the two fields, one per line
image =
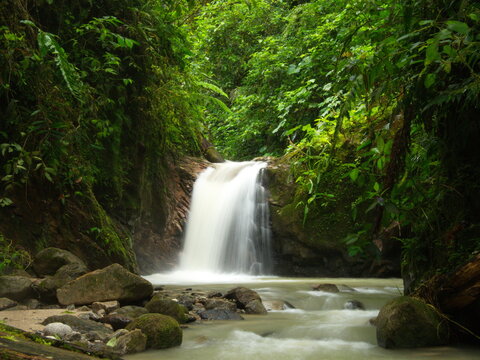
x=227 y=227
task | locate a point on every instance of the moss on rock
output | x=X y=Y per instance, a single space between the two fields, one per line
x=168 y=307
x=162 y=331
x=407 y=322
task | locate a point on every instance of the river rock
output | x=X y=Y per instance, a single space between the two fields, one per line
x=107 y=306
x=130 y=311
x=116 y=321
x=168 y=307
x=57 y=329
x=354 y=305
x=49 y=260
x=277 y=305
x=406 y=322
x=111 y=283
x=94 y=330
x=16 y=288
x=129 y=343
x=216 y=303
x=219 y=314
x=6 y=303
x=332 y=288
x=243 y=297
x=162 y=331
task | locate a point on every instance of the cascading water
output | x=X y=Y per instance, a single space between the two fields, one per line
x=228 y=224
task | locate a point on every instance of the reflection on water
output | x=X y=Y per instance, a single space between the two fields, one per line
x=318 y=328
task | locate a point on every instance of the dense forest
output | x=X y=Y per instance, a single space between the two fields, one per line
x=377 y=99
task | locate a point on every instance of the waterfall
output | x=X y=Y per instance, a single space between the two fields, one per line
x=228 y=224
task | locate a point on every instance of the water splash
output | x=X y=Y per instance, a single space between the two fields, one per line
x=228 y=224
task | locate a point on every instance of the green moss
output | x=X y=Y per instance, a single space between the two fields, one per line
x=168 y=307
x=162 y=331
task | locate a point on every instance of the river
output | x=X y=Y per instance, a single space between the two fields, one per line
x=318 y=328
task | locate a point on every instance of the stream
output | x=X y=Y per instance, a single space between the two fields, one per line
x=318 y=328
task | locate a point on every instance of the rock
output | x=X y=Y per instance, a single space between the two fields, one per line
x=162 y=331
x=32 y=304
x=107 y=306
x=116 y=321
x=57 y=329
x=129 y=343
x=406 y=322
x=213 y=294
x=16 y=288
x=6 y=303
x=243 y=297
x=94 y=330
x=111 y=283
x=47 y=288
x=332 y=288
x=277 y=305
x=255 y=307
x=187 y=301
x=131 y=311
x=354 y=305
x=343 y=287
x=216 y=303
x=49 y=260
x=219 y=314
x=89 y=315
x=168 y=307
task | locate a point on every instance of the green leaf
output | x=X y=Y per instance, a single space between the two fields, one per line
x=212 y=87
x=430 y=80
x=458 y=26
x=432 y=54
x=376 y=186
x=354 y=174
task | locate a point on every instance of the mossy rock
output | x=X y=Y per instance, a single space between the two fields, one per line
x=168 y=307
x=162 y=331
x=406 y=322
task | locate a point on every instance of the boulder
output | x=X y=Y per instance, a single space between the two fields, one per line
x=107 y=306
x=215 y=303
x=16 y=288
x=219 y=314
x=49 y=260
x=406 y=322
x=6 y=303
x=354 y=305
x=94 y=330
x=246 y=299
x=129 y=343
x=111 y=283
x=332 y=288
x=168 y=307
x=116 y=321
x=162 y=331
x=57 y=329
x=130 y=311
x=276 y=305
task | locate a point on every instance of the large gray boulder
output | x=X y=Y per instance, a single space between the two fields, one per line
x=16 y=288
x=406 y=322
x=246 y=299
x=49 y=260
x=162 y=331
x=111 y=283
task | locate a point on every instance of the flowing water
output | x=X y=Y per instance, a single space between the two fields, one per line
x=227 y=237
x=318 y=328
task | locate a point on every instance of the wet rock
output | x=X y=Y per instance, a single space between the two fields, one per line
x=219 y=314
x=277 y=305
x=94 y=330
x=354 y=305
x=49 y=260
x=89 y=315
x=168 y=307
x=243 y=297
x=217 y=303
x=6 y=303
x=57 y=329
x=16 y=288
x=116 y=321
x=111 y=283
x=332 y=288
x=162 y=331
x=255 y=307
x=343 y=287
x=187 y=301
x=129 y=343
x=131 y=311
x=406 y=322
x=214 y=294
x=107 y=306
